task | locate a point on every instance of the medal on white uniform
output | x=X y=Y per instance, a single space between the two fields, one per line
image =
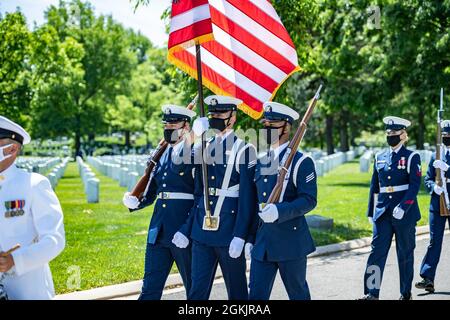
x=14 y=208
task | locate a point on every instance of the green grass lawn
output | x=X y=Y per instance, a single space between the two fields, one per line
x=104 y=240
x=108 y=243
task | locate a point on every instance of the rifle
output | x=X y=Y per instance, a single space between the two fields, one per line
x=443 y=198
x=141 y=186
x=293 y=146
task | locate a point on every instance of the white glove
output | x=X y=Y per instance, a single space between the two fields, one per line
x=269 y=213
x=248 y=250
x=130 y=201
x=398 y=213
x=439 y=164
x=370 y=220
x=438 y=190
x=2 y=152
x=236 y=246
x=200 y=126
x=180 y=240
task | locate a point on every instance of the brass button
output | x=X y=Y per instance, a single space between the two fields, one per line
x=210 y=202
x=295 y=228
x=164 y=205
x=265 y=179
x=264 y=194
x=212 y=178
x=389 y=177
x=232 y=211
x=164 y=185
x=165 y=173
x=390 y=197
x=181 y=173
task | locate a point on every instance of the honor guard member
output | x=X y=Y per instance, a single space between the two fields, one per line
x=219 y=235
x=30 y=216
x=437 y=222
x=282 y=239
x=172 y=186
x=393 y=209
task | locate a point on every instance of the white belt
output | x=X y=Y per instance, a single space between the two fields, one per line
x=232 y=192
x=175 y=196
x=394 y=189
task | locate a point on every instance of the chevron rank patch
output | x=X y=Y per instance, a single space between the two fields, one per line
x=310 y=177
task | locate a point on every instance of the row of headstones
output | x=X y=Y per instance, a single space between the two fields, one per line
x=38 y=165
x=90 y=182
x=329 y=162
x=125 y=171
x=57 y=172
x=52 y=168
x=366 y=161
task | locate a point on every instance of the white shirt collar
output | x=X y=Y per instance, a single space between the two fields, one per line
x=396 y=150
x=7 y=174
x=178 y=147
x=279 y=149
x=445 y=149
x=224 y=136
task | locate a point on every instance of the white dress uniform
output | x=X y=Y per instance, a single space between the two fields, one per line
x=31 y=216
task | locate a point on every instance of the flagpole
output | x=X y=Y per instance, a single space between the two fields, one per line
x=202 y=114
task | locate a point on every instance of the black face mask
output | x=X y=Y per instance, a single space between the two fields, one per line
x=446 y=141
x=219 y=124
x=393 y=140
x=269 y=131
x=171 y=135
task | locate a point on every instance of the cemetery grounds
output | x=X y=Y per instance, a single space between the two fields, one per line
x=106 y=243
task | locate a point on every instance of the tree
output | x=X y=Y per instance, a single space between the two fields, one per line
x=15 y=77
x=104 y=69
x=125 y=117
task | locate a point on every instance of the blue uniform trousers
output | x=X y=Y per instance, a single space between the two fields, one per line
x=405 y=242
x=159 y=259
x=431 y=259
x=204 y=265
x=293 y=274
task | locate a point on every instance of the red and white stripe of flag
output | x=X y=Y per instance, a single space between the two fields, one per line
x=251 y=53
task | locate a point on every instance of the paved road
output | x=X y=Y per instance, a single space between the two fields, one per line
x=339 y=276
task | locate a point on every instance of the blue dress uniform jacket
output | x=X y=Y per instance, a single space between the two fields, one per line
x=174 y=174
x=395 y=182
x=284 y=244
x=236 y=212
x=402 y=170
x=437 y=223
x=211 y=248
x=287 y=238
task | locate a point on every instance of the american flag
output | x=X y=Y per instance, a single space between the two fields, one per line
x=246 y=51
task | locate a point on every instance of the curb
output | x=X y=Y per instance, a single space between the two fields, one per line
x=174 y=280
